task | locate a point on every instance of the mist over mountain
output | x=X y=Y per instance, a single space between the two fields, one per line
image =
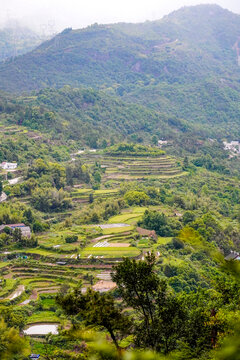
x=16 y=39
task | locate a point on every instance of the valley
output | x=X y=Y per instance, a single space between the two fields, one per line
x=120 y=191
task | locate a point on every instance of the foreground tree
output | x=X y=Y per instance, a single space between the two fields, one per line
x=96 y=310
x=165 y=320
x=160 y=313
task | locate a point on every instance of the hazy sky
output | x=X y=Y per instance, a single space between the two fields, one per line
x=48 y=15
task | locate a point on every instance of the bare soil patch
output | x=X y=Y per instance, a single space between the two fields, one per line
x=104 y=285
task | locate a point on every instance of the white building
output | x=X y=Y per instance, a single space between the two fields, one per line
x=162 y=142
x=233 y=146
x=8 y=166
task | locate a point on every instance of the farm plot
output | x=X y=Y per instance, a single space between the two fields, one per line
x=40 y=278
x=110 y=252
x=82 y=195
x=117 y=230
x=132 y=168
x=55 y=239
x=129 y=218
x=107 y=244
x=104 y=285
x=43 y=316
x=8 y=286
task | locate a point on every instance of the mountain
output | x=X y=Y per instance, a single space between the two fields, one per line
x=184 y=65
x=188 y=45
x=17 y=40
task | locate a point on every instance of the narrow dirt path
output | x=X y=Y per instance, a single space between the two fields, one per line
x=20 y=289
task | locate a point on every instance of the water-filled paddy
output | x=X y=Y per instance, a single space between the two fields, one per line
x=42 y=329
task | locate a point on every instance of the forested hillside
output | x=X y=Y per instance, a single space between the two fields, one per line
x=184 y=65
x=88 y=116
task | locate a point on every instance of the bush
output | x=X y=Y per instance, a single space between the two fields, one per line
x=50 y=199
x=40 y=227
x=177 y=244
x=163 y=225
x=71 y=239
x=136 y=198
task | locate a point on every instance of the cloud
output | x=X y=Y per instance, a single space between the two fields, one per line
x=46 y=15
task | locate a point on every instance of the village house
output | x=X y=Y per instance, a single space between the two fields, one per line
x=162 y=142
x=233 y=146
x=147 y=233
x=25 y=230
x=8 y=166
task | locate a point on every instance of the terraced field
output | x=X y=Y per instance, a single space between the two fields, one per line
x=130 y=168
x=82 y=195
x=110 y=252
x=28 y=281
x=31 y=277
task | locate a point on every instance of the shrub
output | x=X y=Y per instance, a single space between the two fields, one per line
x=133 y=197
x=71 y=239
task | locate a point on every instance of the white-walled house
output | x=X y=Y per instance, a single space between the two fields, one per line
x=8 y=166
x=233 y=146
x=162 y=142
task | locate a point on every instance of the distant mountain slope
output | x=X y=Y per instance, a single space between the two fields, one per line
x=17 y=40
x=187 y=45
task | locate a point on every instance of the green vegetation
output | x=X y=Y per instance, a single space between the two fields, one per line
x=133 y=150
x=12 y=344
x=83 y=115
x=132 y=201
x=163 y=226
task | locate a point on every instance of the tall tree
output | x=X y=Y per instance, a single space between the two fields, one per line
x=160 y=314
x=97 y=310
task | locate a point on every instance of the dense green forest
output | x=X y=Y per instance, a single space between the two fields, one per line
x=87 y=116
x=119 y=205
